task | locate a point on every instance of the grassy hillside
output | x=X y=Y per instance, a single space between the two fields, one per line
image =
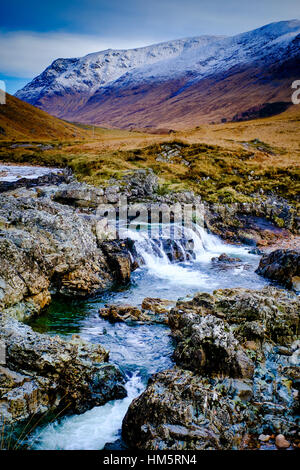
x=21 y=121
x=225 y=162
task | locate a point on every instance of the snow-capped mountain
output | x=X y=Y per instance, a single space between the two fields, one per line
x=89 y=73
x=165 y=84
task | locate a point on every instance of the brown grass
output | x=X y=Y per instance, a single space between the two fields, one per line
x=227 y=161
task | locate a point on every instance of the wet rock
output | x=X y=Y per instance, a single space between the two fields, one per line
x=207 y=347
x=47 y=247
x=231 y=380
x=121 y=313
x=44 y=373
x=177 y=250
x=157 y=313
x=281 y=442
x=119 y=260
x=180 y=410
x=255 y=251
x=224 y=258
x=157 y=306
x=282 y=266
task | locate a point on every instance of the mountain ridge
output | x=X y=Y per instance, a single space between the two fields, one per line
x=144 y=82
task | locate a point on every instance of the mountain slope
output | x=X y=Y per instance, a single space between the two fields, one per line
x=175 y=84
x=21 y=121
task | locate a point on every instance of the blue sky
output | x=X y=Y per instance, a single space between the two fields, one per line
x=34 y=33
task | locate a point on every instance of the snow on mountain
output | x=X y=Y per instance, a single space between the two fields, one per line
x=216 y=54
x=135 y=87
x=95 y=70
x=197 y=56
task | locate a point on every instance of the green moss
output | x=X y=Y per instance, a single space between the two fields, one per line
x=280 y=222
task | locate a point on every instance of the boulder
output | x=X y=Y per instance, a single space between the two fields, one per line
x=183 y=411
x=44 y=373
x=282 y=266
x=252 y=315
x=208 y=348
x=139 y=184
x=155 y=305
x=48 y=247
x=232 y=379
x=121 y=313
x=224 y=258
x=153 y=311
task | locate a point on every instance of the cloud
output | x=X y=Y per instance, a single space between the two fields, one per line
x=26 y=54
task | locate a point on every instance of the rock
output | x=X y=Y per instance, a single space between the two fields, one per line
x=255 y=251
x=267 y=314
x=128 y=313
x=44 y=373
x=208 y=348
x=225 y=386
x=177 y=250
x=31 y=178
x=121 y=313
x=49 y=247
x=157 y=306
x=139 y=184
x=183 y=411
x=253 y=223
x=224 y=258
x=79 y=195
x=119 y=260
x=251 y=345
x=282 y=266
x=281 y=442
x=264 y=437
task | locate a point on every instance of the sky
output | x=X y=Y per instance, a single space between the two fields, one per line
x=34 y=33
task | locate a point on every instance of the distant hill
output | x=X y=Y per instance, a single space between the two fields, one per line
x=177 y=84
x=22 y=121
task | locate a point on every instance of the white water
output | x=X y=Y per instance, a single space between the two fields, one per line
x=205 y=246
x=142 y=350
x=91 y=430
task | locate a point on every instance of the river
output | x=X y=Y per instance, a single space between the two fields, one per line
x=141 y=349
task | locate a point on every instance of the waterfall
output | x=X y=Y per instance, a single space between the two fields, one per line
x=171 y=266
x=174 y=259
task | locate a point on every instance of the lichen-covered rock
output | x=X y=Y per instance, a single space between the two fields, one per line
x=44 y=373
x=139 y=184
x=49 y=247
x=158 y=306
x=180 y=410
x=253 y=223
x=207 y=347
x=282 y=266
x=266 y=314
x=153 y=311
x=237 y=374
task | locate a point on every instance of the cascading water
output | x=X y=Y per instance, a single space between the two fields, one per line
x=140 y=350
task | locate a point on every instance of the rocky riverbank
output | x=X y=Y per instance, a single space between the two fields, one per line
x=227 y=344
x=237 y=374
